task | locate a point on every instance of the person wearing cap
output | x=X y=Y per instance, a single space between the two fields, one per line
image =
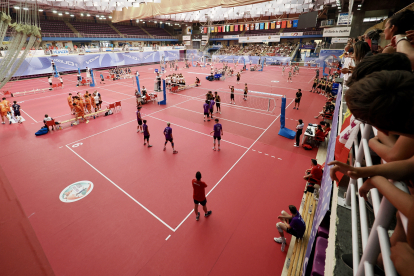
x=169 y=137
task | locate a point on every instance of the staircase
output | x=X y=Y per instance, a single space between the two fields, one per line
x=146 y=32
x=115 y=29
x=72 y=28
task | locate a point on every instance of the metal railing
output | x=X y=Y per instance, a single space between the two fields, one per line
x=105 y=35
x=377 y=240
x=60 y=35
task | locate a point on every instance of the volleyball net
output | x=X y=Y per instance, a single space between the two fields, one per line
x=253 y=102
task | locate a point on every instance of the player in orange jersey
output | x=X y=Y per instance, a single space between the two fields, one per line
x=70 y=103
x=79 y=111
x=88 y=103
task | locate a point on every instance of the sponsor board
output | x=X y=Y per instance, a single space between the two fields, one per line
x=344 y=19
x=337 y=31
x=339 y=40
x=257 y=39
x=292 y=34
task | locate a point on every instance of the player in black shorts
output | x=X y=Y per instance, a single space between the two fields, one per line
x=232 y=101
x=218 y=101
x=297 y=99
x=315 y=84
x=245 y=92
x=238 y=77
x=16 y=111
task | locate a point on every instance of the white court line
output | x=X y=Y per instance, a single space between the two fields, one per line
x=28 y=115
x=198 y=132
x=221 y=118
x=116 y=91
x=122 y=124
x=168 y=237
x=113 y=183
x=233 y=166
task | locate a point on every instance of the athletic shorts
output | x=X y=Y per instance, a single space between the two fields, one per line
x=297 y=100
x=238 y=79
x=206 y=114
x=293 y=232
x=146 y=137
x=218 y=105
x=217 y=137
x=245 y=94
x=140 y=122
x=169 y=140
x=314 y=85
x=232 y=96
x=17 y=113
x=203 y=203
x=211 y=110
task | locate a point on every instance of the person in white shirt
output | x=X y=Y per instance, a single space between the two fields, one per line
x=46 y=119
x=61 y=81
x=50 y=82
x=299 y=129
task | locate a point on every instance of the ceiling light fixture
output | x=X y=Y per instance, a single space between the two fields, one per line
x=16 y=7
x=88 y=14
x=110 y=17
x=40 y=10
x=60 y=14
x=66 y=13
x=71 y=15
x=54 y=11
x=81 y=14
x=26 y=9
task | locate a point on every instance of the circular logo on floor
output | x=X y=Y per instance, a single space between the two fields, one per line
x=76 y=191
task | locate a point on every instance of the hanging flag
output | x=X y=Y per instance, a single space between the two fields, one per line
x=295 y=23
x=252 y=26
x=267 y=25
x=289 y=24
x=231 y=28
x=236 y=28
x=247 y=27
x=345 y=140
x=273 y=25
x=241 y=27
x=257 y=26
x=278 y=25
x=261 y=26
x=283 y=24
x=218 y=29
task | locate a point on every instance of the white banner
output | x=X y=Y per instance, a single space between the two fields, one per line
x=187 y=42
x=256 y=39
x=186 y=37
x=204 y=37
x=344 y=18
x=230 y=36
x=292 y=34
x=164 y=48
x=339 y=40
x=60 y=52
x=147 y=49
x=338 y=31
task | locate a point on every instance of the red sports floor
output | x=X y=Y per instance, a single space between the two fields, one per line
x=138 y=219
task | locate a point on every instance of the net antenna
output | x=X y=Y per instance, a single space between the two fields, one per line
x=24 y=36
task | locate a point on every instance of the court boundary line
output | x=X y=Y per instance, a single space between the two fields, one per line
x=221 y=118
x=196 y=131
x=29 y=115
x=235 y=163
x=113 y=183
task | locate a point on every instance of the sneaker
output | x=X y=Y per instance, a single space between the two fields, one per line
x=208 y=120
x=295 y=146
x=204 y=120
x=3 y=123
x=214 y=148
x=198 y=216
x=280 y=240
x=87 y=121
x=149 y=145
x=137 y=130
x=294 y=108
x=234 y=103
x=175 y=151
x=164 y=149
x=145 y=144
x=218 y=149
x=9 y=122
x=297 y=108
x=207 y=214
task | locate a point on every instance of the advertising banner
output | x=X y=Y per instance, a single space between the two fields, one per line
x=61 y=52
x=338 y=31
x=344 y=18
x=292 y=34
x=339 y=40
x=262 y=38
x=230 y=36
x=204 y=37
x=186 y=37
x=254 y=59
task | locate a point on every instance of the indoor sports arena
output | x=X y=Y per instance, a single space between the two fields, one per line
x=169 y=137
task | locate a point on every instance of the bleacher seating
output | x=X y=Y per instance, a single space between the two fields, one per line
x=94 y=28
x=54 y=26
x=156 y=31
x=129 y=30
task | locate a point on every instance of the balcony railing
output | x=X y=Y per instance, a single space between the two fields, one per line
x=104 y=35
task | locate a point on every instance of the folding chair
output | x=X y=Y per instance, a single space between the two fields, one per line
x=111 y=106
x=54 y=85
x=60 y=85
x=118 y=104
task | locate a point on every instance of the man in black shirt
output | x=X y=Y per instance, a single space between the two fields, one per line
x=297 y=99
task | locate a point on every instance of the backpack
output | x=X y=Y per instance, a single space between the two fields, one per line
x=42 y=131
x=306 y=146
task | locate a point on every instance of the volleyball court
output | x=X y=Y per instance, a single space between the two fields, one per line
x=138 y=220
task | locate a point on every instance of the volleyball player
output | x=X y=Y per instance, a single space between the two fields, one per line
x=16 y=111
x=245 y=92
x=206 y=107
x=61 y=81
x=232 y=101
x=211 y=106
x=146 y=133
x=315 y=84
x=298 y=98
x=218 y=101
x=139 y=119
x=50 y=82
x=70 y=103
x=238 y=77
x=3 y=112
x=169 y=137
x=218 y=132
x=79 y=111
x=283 y=70
x=290 y=76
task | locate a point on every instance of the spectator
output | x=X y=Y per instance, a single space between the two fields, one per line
x=46 y=119
x=299 y=129
x=313 y=175
x=399 y=23
x=361 y=48
x=292 y=224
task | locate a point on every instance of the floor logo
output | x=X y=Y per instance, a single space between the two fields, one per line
x=76 y=191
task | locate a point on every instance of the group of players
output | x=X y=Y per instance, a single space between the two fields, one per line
x=292 y=71
x=87 y=103
x=174 y=79
x=324 y=85
x=6 y=109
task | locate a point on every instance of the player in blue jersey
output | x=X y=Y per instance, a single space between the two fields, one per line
x=169 y=137
x=218 y=132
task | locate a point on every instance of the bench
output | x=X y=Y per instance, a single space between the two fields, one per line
x=299 y=249
x=71 y=121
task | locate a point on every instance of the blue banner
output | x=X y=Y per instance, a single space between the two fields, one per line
x=326 y=185
x=295 y=23
x=196 y=54
x=261 y=26
x=253 y=59
x=42 y=65
x=60 y=52
x=325 y=57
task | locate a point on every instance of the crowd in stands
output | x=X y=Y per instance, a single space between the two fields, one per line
x=381 y=93
x=282 y=50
